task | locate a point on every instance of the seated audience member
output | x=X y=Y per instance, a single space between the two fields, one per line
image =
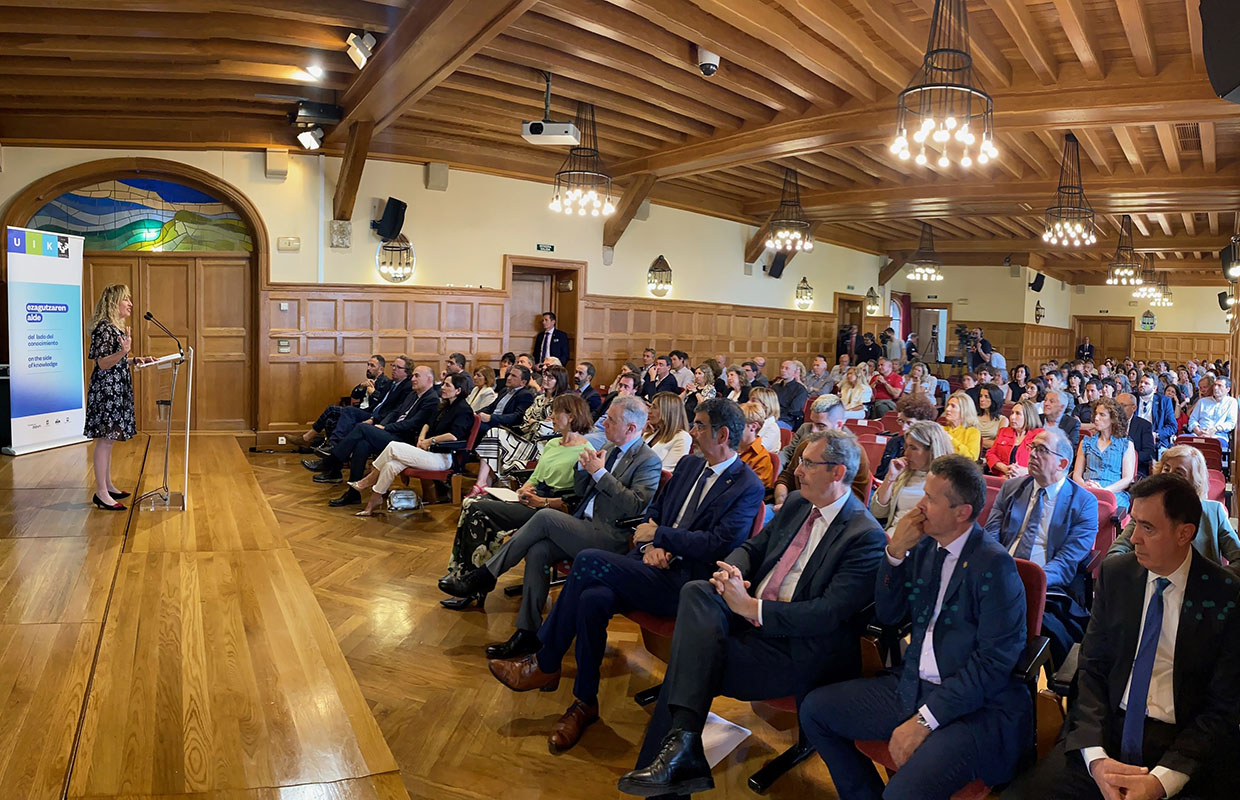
x=486 y=522
x=1140 y=434
x=455 y=365
x=855 y=393
x=625 y=385
x=1158 y=687
x=647 y=366
x=886 y=387
x=504 y=449
x=769 y=433
x=703 y=513
x=583 y=376
x=1010 y=455
x=960 y=422
x=662 y=381
x=838 y=372
x=483 y=393
x=738 y=385
x=1085 y=411
x=1049 y=520
x=1055 y=383
x=451 y=422
x=1107 y=459
x=375 y=391
x=716 y=369
x=703 y=388
x=1215 y=413
x=988 y=398
x=1054 y=415
x=1076 y=389
x=1179 y=406
x=826 y=414
x=968 y=382
x=760 y=364
x=818 y=381
x=680 y=368
x=754 y=374
x=614 y=484
x=816 y=421
x=667 y=430
x=792 y=395
x=868 y=350
x=920 y=381
x=369 y=437
x=628 y=368
x=776 y=619
x=510 y=405
x=1216 y=539
x=1108 y=388
x=953 y=712
x=910 y=408
x=750 y=448
x=505 y=361
x=902 y=489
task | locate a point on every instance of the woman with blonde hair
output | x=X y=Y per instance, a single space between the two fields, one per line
x=702 y=388
x=769 y=432
x=667 y=429
x=109 y=400
x=483 y=393
x=905 y=483
x=1215 y=538
x=960 y=417
x=855 y=392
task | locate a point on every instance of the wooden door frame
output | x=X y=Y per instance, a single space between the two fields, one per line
x=940 y=305
x=555 y=267
x=1132 y=335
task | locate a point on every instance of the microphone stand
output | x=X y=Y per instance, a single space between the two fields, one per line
x=171 y=501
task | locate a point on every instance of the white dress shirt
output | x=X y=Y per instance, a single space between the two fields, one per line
x=789 y=587
x=1038 y=554
x=683 y=376
x=714 y=472
x=1145 y=408
x=1160 y=702
x=598 y=474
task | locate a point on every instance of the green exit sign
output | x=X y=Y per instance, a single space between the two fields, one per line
x=545 y=248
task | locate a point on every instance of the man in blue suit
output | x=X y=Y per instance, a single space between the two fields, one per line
x=1157 y=410
x=551 y=342
x=1049 y=520
x=954 y=712
x=704 y=512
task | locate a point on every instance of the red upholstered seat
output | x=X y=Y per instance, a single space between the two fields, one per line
x=785 y=437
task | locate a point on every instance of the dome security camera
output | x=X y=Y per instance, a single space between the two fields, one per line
x=708 y=62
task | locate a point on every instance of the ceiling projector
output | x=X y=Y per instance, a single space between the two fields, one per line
x=547 y=132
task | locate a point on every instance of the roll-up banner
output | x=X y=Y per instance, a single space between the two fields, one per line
x=46 y=389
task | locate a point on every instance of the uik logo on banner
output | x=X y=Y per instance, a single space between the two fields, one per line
x=33 y=243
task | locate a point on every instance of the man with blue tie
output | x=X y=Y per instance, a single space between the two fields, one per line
x=1158 y=697
x=704 y=512
x=953 y=713
x=1049 y=520
x=1157 y=410
x=614 y=484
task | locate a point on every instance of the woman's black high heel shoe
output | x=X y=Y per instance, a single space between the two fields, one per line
x=100 y=504
x=118 y=495
x=462 y=603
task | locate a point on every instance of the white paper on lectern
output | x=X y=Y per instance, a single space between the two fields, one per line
x=720 y=738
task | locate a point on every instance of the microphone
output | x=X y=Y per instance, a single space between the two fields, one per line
x=151 y=318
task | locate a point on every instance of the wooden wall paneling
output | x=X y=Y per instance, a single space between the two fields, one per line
x=1044 y=342
x=100 y=272
x=1006 y=337
x=168 y=293
x=1178 y=348
x=223 y=345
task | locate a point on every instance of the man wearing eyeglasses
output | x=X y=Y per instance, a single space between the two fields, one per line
x=1049 y=520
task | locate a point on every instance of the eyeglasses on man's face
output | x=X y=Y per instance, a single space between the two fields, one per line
x=1042 y=450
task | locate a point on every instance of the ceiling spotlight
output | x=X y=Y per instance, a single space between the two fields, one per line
x=314 y=71
x=311 y=139
x=360 y=48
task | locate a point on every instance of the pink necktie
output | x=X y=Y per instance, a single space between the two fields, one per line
x=790 y=556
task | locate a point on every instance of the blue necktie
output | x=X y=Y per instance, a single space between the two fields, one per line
x=923 y=612
x=1131 y=744
x=695 y=498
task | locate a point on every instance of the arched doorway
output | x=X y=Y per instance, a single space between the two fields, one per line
x=192 y=248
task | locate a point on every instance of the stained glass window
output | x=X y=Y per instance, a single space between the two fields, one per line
x=145 y=214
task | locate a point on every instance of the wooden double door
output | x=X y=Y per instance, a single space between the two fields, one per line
x=207 y=302
x=1111 y=336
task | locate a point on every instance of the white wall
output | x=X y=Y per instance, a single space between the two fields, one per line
x=460 y=236
x=1195 y=311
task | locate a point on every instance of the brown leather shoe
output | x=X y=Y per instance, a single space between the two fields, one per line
x=522 y=674
x=568 y=729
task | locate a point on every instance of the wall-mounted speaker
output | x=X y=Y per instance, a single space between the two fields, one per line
x=436 y=176
x=1220 y=30
x=1014 y=270
x=777 y=264
x=388 y=226
x=1222 y=301
x=1038 y=282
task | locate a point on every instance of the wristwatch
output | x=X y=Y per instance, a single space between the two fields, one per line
x=923 y=722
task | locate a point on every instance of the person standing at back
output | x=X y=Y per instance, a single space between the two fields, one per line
x=551 y=342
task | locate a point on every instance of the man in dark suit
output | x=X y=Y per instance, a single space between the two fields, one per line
x=582 y=377
x=954 y=712
x=614 y=484
x=792 y=395
x=1085 y=350
x=777 y=618
x=550 y=341
x=1085 y=411
x=704 y=512
x=1049 y=520
x=1140 y=432
x=1054 y=415
x=1158 y=410
x=848 y=342
x=1158 y=697
x=346 y=417
x=510 y=407
x=663 y=380
x=367 y=440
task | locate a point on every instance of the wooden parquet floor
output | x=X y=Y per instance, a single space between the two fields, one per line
x=455 y=732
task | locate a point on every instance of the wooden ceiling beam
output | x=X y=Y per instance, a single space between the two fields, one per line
x=1091 y=143
x=1164 y=222
x=1167 y=140
x=906 y=38
x=431 y=40
x=216 y=24
x=1025 y=242
x=626 y=209
x=154 y=89
x=843 y=237
x=212 y=132
x=1140 y=224
x=1209 y=146
x=837 y=26
x=339 y=13
x=1137 y=28
x=1192 y=10
x=987 y=57
x=757 y=242
x=758 y=19
x=1015 y=17
x=1081 y=35
x=139 y=71
x=1132 y=150
x=350 y=177
x=892 y=268
x=1212 y=219
x=1190 y=222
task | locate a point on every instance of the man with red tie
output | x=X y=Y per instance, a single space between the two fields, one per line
x=776 y=619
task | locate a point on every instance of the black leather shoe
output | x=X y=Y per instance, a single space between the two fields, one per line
x=329 y=477
x=478 y=581
x=351 y=497
x=679 y=768
x=521 y=643
x=323 y=450
x=312 y=464
x=462 y=603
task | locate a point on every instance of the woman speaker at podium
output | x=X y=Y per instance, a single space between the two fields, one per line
x=109 y=401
